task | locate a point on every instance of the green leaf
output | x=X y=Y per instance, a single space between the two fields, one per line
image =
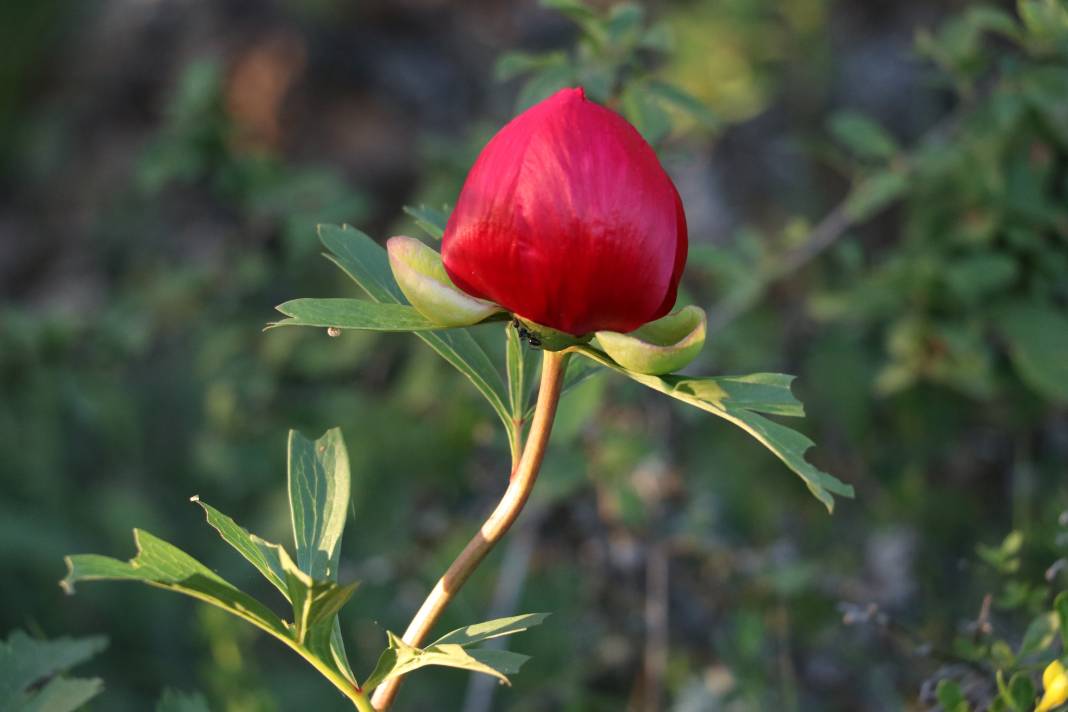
x=544 y=83
x=1060 y=605
x=863 y=136
x=26 y=663
x=318 y=500
x=1037 y=338
x=1039 y=635
x=265 y=556
x=740 y=400
x=62 y=694
x=1018 y=694
x=176 y=701
x=522 y=364
x=315 y=603
x=400 y=658
x=645 y=112
x=431 y=221
x=684 y=101
x=319 y=490
x=949 y=696
x=875 y=193
x=353 y=314
x=165 y=566
x=478 y=632
x=503 y=661
x=366 y=263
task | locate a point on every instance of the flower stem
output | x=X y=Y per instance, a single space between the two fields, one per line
x=524 y=474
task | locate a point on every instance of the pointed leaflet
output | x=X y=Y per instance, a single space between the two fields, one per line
x=318 y=500
x=364 y=260
x=431 y=221
x=164 y=565
x=265 y=556
x=740 y=399
x=478 y=632
x=400 y=658
x=353 y=314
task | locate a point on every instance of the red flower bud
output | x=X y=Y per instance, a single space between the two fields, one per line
x=568 y=220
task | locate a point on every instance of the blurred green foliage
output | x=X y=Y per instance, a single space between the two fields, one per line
x=927 y=315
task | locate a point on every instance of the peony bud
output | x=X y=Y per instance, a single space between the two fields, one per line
x=568 y=221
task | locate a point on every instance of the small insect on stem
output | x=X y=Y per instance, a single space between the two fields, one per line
x=333 y=332
x=530 y=337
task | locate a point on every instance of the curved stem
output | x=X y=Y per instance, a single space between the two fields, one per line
x=522 y=482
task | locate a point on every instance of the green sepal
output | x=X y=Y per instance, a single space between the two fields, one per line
x=421 y=275
x=661 y=346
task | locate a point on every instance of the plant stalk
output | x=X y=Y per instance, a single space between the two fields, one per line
x=554 y=363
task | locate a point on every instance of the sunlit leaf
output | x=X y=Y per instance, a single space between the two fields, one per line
x=353 y=314
x=740 y=400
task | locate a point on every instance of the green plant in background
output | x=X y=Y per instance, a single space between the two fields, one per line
x=319 y=483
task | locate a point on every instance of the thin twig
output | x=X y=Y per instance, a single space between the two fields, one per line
x=553 y=366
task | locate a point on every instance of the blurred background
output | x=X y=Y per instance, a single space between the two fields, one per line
x=877 y=196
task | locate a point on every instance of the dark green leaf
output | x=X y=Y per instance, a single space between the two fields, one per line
x=950 y=697
x=862 y=136
x=1039 y=635
x=353 y=314
x=62 y=694
x=1060 y=605
x=544 y=83
x=26 y=662
x=875 y=193
x=431 y=221
x=478 y=632
x=685 y=101
x=503 y=661
x=1037 y=337
x=714 y=395
x=175 y=701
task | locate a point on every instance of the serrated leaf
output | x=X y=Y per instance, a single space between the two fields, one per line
x=431 y=221
x=478 y=632
x=353 y=314
x=264 y=555
x=863 y=136
x=366 y=263
x=163 y=565
x=714 y=395
x=400 y=659
x=26 y=662
x=176 y=701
